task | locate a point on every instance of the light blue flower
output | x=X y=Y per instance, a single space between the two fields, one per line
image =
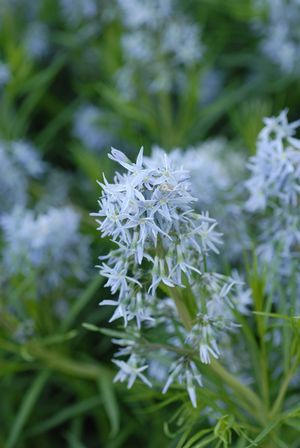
x=50 y=244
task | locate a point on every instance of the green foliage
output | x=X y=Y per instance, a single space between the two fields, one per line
x=57 y=386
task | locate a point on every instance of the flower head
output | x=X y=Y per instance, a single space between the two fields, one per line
x=49 y=243
x=159 y=259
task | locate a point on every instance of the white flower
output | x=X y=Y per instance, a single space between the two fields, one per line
x=36 y=40
x=186 y=373
x=215 y=174
x=161 y=39
x=274 y=187
x=182 y=39
x=19 y=162
x=141 y=13
x=203 y=336
x=275 y=168
x=26 y=156
x=281 y=31
x=77 y=11
x=90 y=127
x=49 y=243
x=162 y=243
x=149 y=209
x=278 y=128
x=131 y=371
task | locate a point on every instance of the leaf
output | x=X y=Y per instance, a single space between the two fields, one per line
x=128 y=110
x=65 y=414
x=201 y=444
x=26 y=407
x=113 y=333
x=293 y=423
x=58 y=338
x=81 y=302
x=47 y=134
x=35 y=89
x=203 y=432
x=110 y=403
x=73 y=442
x=277 y=315
x=91 y=327
x=272 y=425
x=89 y=163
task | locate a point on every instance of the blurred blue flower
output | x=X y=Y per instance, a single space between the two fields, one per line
x=49 y=245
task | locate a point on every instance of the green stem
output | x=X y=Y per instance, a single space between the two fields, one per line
x=226 y=376
x=264 y=369
x=241 y=390
x=284 y=386
x=253 y=405
x=181 y=308
x=67 y=366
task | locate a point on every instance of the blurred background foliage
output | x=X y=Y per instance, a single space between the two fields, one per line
x=76 y=77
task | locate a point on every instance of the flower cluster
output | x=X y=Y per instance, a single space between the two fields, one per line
x=217 y=189
x=275 y=168
x=74 y=12
x=150 y=208
x=159 y=39
x=36 y=40
x=48 y=244
x=282 y=31
x=57 y=186
x=159 y=266
x=19 y=162
x=274 y=187
x=90 y=127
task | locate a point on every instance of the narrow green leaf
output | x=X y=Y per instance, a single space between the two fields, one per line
x=109 y=402
x=81 y=302
x=113 y=333
x=26 y=407
x=65 y=414
x=272 y=425
x=201 y=444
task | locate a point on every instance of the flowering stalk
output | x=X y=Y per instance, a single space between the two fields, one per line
x=163 y=245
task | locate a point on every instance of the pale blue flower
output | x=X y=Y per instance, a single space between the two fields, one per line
x=5 y=74
x=36 y=40
x=216 y=171
x=77 y=11
x=162 y=243
x=281 y=30
x=131 y=371
x=145 y=206
x=90 y=129
x=274 y=193
x=160 y=42
x=49 y=244
x=185 y=372
x=19 y=162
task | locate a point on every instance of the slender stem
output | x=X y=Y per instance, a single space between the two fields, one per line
x=241 y=390
x=264 y=368
x=253 y=405
x=284 y=386
x=226 y=376
x=181 y=308
x=66 y=365
x=258 y=294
